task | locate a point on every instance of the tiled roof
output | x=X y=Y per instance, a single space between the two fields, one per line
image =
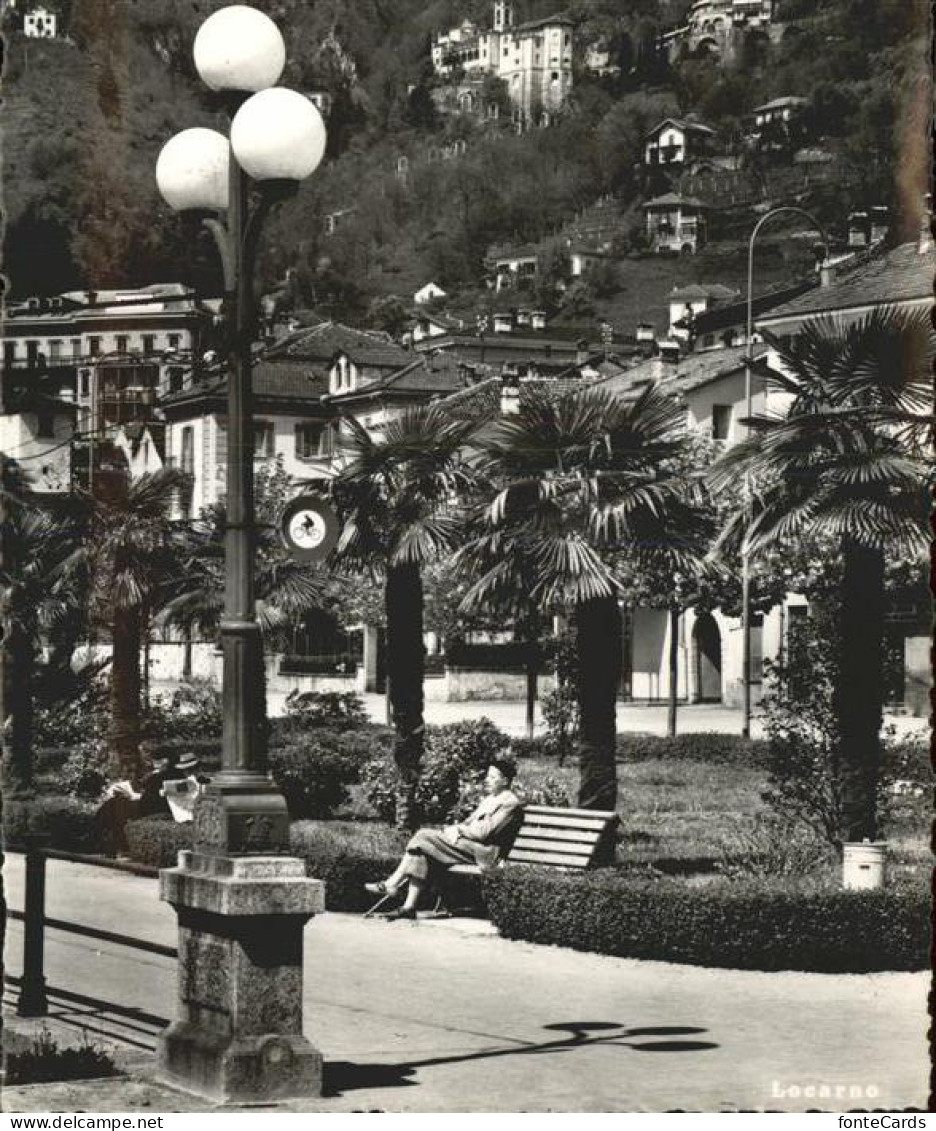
x=322 y=342
x=482 y=401
x=272 y=380
x=735 y=313
x=682 y=123
x=532 y=25
x=901 y=275
x=780 y=103
x=674 y=198
x=703 y=290
x=693 y=371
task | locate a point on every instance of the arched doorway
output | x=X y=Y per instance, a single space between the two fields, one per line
x=707 y=659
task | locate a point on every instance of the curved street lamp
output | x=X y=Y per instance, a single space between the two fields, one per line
x=240 y=917
x=749 y=408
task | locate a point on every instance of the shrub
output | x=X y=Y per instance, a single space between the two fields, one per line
x=44 y=1062
x=315 y=773
x=454 y=764
x=85 y=772
x=705 y=746
x=193 y=711
x=65 y=823
x=347 y=857
x=758 y=925
x=338 y=710
x=772 y=847
x=157 y=841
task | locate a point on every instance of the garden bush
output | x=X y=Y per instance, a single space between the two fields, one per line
x=337 y=710
x=66 y=823
x=754 y=924
x=157 y=841
x=315 y=772
x=704 y=746
x=43 y=1062
x=347 y=857
x=83 y=772
x=454 y=764
x=193 y=711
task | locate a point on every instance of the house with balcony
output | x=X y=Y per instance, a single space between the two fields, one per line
x=676 y=224
x=292 y=424
x=514 y=268
x=677 y=141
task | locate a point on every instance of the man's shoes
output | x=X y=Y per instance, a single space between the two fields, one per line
x=400 y=913
x=379 y=888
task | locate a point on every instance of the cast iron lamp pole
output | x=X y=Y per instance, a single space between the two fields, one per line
x=241 y=900
x=277 y=139
x=749 y=410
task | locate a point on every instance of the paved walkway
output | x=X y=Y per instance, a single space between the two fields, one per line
x=445 y=1016
x=649 y=718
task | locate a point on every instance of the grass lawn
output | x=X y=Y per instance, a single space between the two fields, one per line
x=683 y=818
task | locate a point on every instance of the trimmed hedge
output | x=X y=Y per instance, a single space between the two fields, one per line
x=66 y=823
x=705 y=746
x=344 y=867
x=754 y=925
x=157 y=841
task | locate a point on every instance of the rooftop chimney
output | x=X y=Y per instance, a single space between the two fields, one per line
x=925 y=244
x=666 y=363
x=510 y=392
x=826 y=274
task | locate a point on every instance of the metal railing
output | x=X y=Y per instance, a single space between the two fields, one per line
x=33 y=998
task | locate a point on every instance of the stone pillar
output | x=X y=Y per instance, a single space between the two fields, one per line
x=239 y=1034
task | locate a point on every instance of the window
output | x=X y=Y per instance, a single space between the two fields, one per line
x=76 y=347
x=9 y=353
x=94 y=346
x=721 y=421
x=149 y=344
x=55 y=350
x=85 y=384
x=122 y=343
x=175 y=379
x=187 y=460
x=32 y=354
x=263 y=439
x=174 y=340
x=46 y=424
x=311 y=441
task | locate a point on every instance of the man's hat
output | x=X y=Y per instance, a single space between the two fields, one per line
x=187 y=762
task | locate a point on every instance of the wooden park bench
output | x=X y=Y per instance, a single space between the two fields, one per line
x=569 y=839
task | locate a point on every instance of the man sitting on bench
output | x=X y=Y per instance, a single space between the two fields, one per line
x=479 y=839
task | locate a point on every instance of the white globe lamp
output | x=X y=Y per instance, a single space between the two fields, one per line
x=239 y=49
x=192 y=170
x=278 y=134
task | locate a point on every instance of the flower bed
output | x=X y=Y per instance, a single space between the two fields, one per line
x=750 y=924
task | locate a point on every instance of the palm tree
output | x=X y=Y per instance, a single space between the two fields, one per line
x=580 y=481
x=193 y=600
x=398 y=496
x=132 y=552
x=845 y=460
x=39 y=539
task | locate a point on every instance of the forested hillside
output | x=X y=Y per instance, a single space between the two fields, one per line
x=85 y=118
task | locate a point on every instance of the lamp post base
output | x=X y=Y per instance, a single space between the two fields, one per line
x=239 y=1035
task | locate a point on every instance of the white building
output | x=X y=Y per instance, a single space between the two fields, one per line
x=40 y=23
x=428 y=293
x=676 y=141
x=534 y=59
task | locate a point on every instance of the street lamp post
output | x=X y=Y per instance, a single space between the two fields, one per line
x=749 y=410
x=242 y=902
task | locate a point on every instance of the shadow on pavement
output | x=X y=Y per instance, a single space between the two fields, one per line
x=345 y=1076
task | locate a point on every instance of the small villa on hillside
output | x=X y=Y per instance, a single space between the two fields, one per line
x=676 y=224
